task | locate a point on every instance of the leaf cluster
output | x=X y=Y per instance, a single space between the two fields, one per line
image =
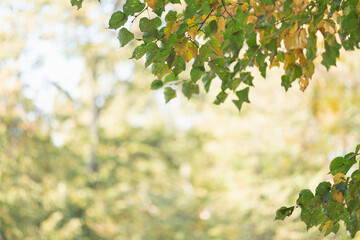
x=332 y=203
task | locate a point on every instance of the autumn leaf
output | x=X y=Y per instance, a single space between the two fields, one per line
x=244 y=7
x=190 y=51
x=326 y=226
x=192 y=32
x=252 y=19
x=180 y=46
x=339 y=197
x=221 y=24
x=151 y=3
x=300 y=39
x=175 y=26
x=303 y=82
x=219 y=36
x=338 y=178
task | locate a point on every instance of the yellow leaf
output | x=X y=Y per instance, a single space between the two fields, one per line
x=168 y=29
x=191 y=21
x=244 y=7
x=274 y=63
x=175 y=26
x=303 y=82
x=190 y=51
x=289 y=58
x=276 y=16
x=211 y=18
x=260 y=12
x=301 y=4
x=302 y=58
x=151 y=3
x=330 y=26
x=294 y=29
x=252 y=3
x=219 y=36
x=262 y=34
x=289 y=42
x=179 y=46
x=300 y=38
x=338 y=178
x=251 y=19
x=326 y=226
x=339 y=197
x=192 y=32
x=221 y=24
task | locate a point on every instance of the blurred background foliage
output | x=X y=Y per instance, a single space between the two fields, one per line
x=87 y=151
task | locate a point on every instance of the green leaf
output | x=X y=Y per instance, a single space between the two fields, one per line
x=293 y=71
x=147 y=25
x=311 y=46
x=159 y=7
x=312 y=216
x=220 y=98
x=117 y=20
x=207 y=78
x=357 y=149
x=341 y=164
x=195 y=74
x=169 y=94
x=156 y=84
x=190 y=9
x=179 y=65
x=77 y=3
x=247 y=78
x=243 y=96
x=283 y=212
x=285 y=82
x=305 y=197
x=308 y=69
x=125 y=36
x=260 y=59
x=151 y=54
x=140 y=51
x=189 y=88
x=170 y=77
x=323 y=188
x=171 y=16
x=336 y=165
x=133 y=6
x=331 y=53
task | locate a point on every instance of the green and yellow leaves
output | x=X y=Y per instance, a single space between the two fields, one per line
x=245 y=34
x=186 y=48
x=332 y=203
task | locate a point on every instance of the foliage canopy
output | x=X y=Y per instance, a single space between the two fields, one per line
x=227 y=38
